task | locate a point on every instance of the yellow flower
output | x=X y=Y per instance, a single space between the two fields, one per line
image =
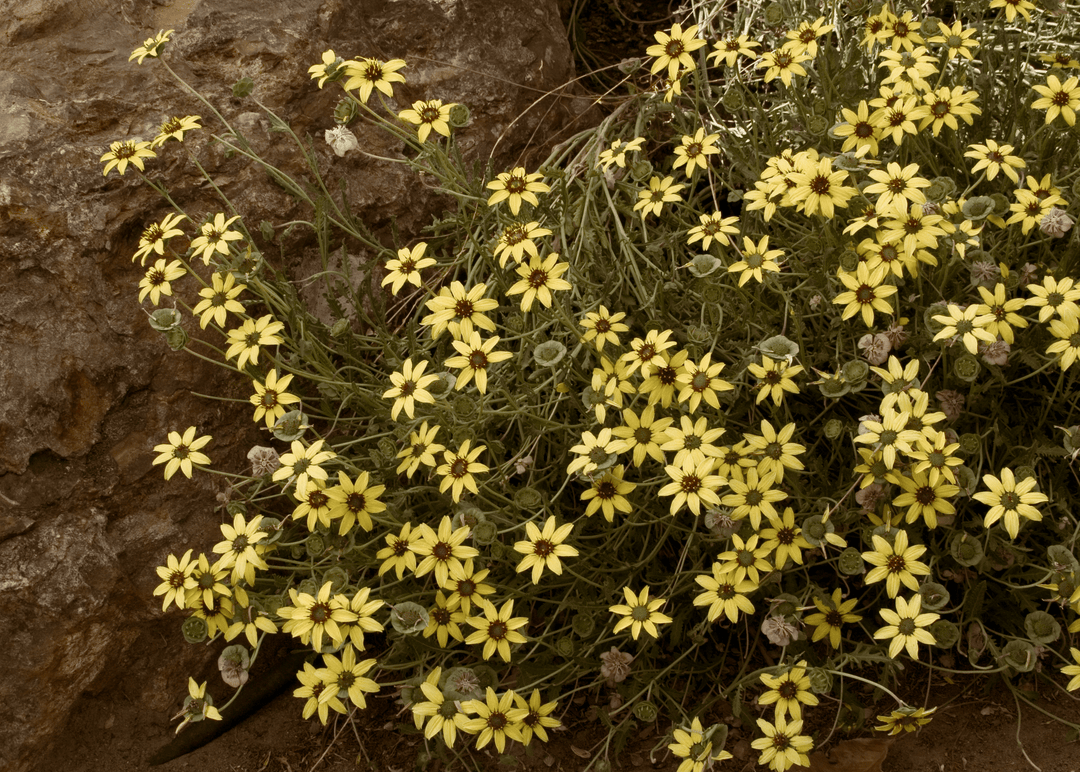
x=1010 y=500
x=1073 y=670
x=831 y=616
x=902 y=31
x=820 y=189
x=778 y=453
x=175 y=128
x=692 y=441
x=460 y=311
x=701 y=380
x=917 y=229
x=313 y=689
x=785 y=538
x=865 y=293
x=909 y=68
x=158 y=280
x=151 y=47
x=643 y=434
x=406 y=267
x=593 y=450
x=180 y=452
x=310 y=617
x=218 y=300
x=644 y=351
x=365 y=621
x=398 y=554
x=695 y=750
x=608 y=493
x=745 y=560
x=1067 y=345
x=241 y=550
x=410 y=387
x=517 y=239
x=368 y=74
x=896 y=187
x=896 y=563
x=946 y=105
x=177 y=580
x=458 y=470
x=214 y=237
x=755 y=259
x=957 y=38
x=731 y=47
x=246 y=340
x=538 y=279
x=331 y=68
x=693 y=483
x=533 y=717
x=925 y=496
x=789 y=691
x=660 y=192
x=753 y=496
x=346 y=676
x=313 y=504
x=516 y=186
x=640 y=613
x=444 y=715
x=616 y=154
x=782 y=63
x=198 y=705
x=429 y=116
x=858 y=130
x=803 y=39
x=603 y=327
x=443 y=549
x=723 y=595
x=898 y=118
x=673 y=48
x=713 y=226
x=782 y=747
x=420 y=450
x=270 y=397
x=496 y=629
x=906 y=719
x=890 y=435
x=994 y=158
x=544 y=548
x=304 y=464
x=354 y=502
x=1029 y=209
x=968 y=324
x=906 y=626
x=1013 y=6
x=125 y=152
x=693 y=150
x=466 y=585
x=776 y=379
x=1002 y=311
x=661 y=384
x=446 y=621
x=1055 y=296
x=474 y=358
x=155 y=237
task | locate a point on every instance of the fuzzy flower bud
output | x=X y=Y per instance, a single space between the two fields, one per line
x=1056 y=223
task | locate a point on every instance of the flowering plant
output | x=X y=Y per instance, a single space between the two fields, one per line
x=790 y=384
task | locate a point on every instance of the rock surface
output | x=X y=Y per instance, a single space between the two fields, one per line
x=87 y=388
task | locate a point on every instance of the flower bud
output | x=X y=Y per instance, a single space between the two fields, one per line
x=1056 y=223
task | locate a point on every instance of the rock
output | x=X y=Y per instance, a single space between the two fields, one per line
x=88 y=388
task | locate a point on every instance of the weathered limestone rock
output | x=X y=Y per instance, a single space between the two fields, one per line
x=87 y=388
